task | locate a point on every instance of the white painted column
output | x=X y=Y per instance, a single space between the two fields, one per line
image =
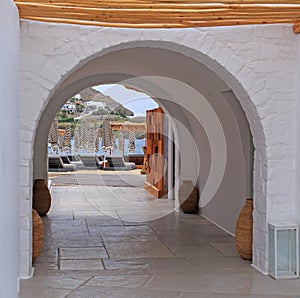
x=297 y=137
x=9 y=155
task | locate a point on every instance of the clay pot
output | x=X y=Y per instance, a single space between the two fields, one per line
x=244 y=231
x=188 y=197
x=37 y=235
x=41 y=200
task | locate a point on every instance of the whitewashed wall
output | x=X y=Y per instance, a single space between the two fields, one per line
x=9 y=177
x=257 y=62
x=297 y=137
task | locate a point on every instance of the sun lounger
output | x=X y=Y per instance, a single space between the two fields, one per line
x=76 y=160
x=117 y=163
x=89 y=161
x=56 y=164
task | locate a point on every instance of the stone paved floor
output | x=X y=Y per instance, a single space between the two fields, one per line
x=105 y=241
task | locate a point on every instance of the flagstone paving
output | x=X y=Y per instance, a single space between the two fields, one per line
x=110 y=241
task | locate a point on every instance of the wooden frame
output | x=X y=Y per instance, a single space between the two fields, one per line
x=162 y=13
x=128 y=126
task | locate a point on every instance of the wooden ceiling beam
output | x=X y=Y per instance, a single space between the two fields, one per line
x=90 y=5
x=182 y=24
x=162 y=13
x=27 y=8
x=134 y=19
x=174 y=2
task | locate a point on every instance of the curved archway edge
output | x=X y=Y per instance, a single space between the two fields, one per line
x=51 y=53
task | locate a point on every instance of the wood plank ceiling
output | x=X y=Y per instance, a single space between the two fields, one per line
x=162 y=13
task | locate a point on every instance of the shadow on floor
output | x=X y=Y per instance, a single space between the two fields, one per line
x=103 y=241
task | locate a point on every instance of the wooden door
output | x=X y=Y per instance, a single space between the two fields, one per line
x=155 y=150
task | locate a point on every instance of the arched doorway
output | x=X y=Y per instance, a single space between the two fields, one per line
x=185 y=105
x=77 y=71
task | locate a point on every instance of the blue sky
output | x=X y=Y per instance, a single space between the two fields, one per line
x=135 y=101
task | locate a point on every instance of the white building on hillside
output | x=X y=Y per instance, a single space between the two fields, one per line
x=69 y=107
x=95 y=104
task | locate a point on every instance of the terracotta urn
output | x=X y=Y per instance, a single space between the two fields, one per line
x=37 y=235
x=41 y=200
x=244 y=230
x=188 y=197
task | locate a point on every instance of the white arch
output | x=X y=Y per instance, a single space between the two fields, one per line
x=64 y=49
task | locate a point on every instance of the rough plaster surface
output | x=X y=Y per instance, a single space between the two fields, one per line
x=9 y=165
x=257 y=62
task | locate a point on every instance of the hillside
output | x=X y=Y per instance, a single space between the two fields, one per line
x=89 y=94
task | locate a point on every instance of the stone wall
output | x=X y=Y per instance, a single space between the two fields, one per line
x=257 y=62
